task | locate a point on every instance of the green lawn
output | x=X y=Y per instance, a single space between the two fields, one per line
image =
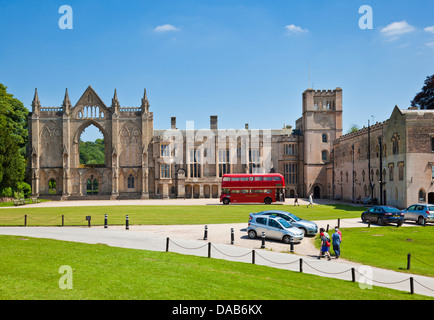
x=202 y=214
x=387 y=247
x=30 y=270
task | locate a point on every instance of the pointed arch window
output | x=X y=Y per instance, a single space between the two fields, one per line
x=92 y=185
x=395 y=143
x=130 y=181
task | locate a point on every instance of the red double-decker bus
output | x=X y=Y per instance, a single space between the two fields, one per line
x=263 y=188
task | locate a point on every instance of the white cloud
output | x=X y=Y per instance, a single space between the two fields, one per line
x=166 y=28
x=293 y=29
x=429 y=29
x=430 y=44
x=395 y=29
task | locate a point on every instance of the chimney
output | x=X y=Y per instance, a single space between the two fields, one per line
x=213 y=122
x=173 y=123
x=246 y=126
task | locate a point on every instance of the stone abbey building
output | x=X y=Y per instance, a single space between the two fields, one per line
x=392 y=161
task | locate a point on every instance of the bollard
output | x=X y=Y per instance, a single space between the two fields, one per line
x=127 y=223
x=301 y=265
x=167 y=244
x=353 y=274
x=253 y=256
x=88 y=218
x=25 y=220
x=263 y=240
x=327 y=228
x=105 y=221
x=408 y=261
x=205 y=235
x=411 y=285
x=369 y=223
x=339 y=223
x=209 y=249
x=232 y=235
x=63 y=220
x=291 y=243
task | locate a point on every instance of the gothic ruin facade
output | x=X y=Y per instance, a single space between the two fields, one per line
x=314 y=157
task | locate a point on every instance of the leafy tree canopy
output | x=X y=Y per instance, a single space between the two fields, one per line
x=92 y=152
x=13 y=136
x=425 y=98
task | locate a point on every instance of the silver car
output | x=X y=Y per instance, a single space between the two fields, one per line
x=274 y=228
x=420 y=212
x=309 y=228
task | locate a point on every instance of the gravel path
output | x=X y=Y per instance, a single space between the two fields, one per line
x=221 y=233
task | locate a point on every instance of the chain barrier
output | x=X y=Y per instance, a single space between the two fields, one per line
x=195 y=248
x=276 y=262
x=50 y=220
x=228 y=255
x=301 y=261
x=333 y=273
x=11 y=219
x=422 y=262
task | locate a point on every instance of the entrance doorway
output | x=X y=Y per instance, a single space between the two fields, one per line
x=317 y=192
x=92 y=186
x=431 y=197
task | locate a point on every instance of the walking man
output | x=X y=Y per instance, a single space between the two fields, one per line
x=336 y=241
x=296 y=200
x=310 y=200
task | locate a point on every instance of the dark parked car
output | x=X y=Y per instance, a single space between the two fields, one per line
x=383 y=214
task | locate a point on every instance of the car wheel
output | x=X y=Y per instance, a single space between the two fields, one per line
x=226 y=201
x=267 y=200
x=251 y=234
x=379 y=221
x=286 y=239
x=420 y=220
x=304 y=231
x=364 y=219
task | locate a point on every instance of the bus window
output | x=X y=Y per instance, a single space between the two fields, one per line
x=250 y=178
x=244 y=179
x=268 y=191
x=259 y=191
x=268 y=179
x=226 y=179
x=235 y=191
x=245 y=191
x=258 y=178
x=235 y=179
x=276 y=179
x=227 y=191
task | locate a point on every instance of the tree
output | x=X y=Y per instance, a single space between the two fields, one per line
x=92 y=152
x=353 y=128
x=13 y=137
x=425 y=98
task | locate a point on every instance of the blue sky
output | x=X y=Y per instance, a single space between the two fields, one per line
x=245 y=61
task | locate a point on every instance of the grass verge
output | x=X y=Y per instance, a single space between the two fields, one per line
x=164 y=215
x=30 y=270
x=387 y=247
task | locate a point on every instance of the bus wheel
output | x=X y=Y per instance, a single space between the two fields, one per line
x=226 y=201
x=267 y=200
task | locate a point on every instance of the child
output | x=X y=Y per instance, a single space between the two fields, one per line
x=325 y=244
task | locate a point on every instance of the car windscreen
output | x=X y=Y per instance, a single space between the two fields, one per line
x=390 y=209
x=294 y=217
x=284 y=223
x=431 y=208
